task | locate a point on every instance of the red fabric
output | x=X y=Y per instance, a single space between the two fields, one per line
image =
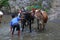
x=33 y=9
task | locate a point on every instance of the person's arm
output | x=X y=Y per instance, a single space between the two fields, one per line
x=19 y=18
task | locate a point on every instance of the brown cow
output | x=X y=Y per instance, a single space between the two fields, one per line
x=45 y=16
x=42 y=18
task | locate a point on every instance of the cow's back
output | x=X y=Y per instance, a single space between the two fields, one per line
x=45 y=16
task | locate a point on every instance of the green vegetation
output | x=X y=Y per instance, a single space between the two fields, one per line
x=36 y=5
x=39 y=3
x=4 y=3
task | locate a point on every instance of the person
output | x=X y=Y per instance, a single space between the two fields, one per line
x=14 y=23
x=1 y=14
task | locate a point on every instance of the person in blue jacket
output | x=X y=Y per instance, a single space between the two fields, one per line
x=14 y=23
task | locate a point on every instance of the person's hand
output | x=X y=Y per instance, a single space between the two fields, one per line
x=22 y=18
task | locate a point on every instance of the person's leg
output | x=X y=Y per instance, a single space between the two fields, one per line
x=10 y=29
x=13 y=28
x=18 y=28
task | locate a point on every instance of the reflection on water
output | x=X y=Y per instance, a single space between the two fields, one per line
x=14 y=38
x=52 y=31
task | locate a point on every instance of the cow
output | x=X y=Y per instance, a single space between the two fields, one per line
x=1 y=14
x=42 y=19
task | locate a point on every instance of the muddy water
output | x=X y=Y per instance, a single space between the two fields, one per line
x=52 y=31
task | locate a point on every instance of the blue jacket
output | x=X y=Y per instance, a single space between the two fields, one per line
x=15 y=21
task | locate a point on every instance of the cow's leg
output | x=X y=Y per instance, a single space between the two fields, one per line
x=23 y=24
x=32 y=20
x=22 y=27
x=0 y=18
x=29 y=22
x=38 y=24
x=41 y=25
x=44 y=26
